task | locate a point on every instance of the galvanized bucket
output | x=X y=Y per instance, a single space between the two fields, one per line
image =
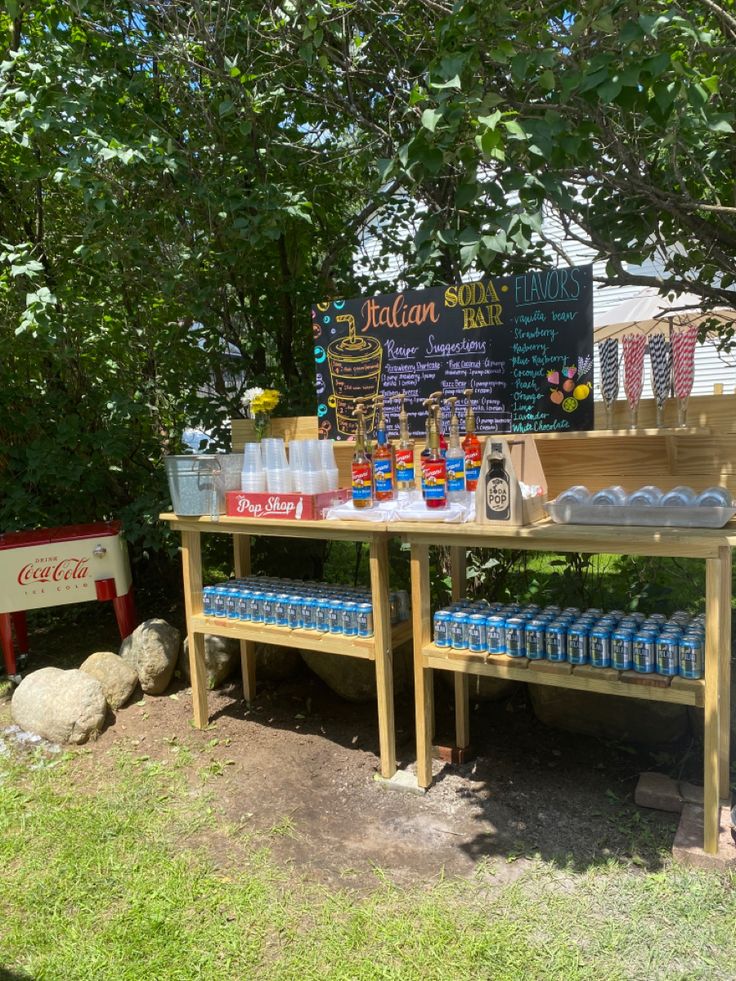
x=195 y=484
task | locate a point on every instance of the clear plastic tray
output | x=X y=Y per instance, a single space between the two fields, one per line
x=625 y=514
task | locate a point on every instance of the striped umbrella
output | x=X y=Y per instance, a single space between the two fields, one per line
x=608 y=351
x=661 y=359
x=634 y=346
x=683 y=360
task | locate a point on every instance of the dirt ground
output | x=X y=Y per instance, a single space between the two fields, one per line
x=297 y=769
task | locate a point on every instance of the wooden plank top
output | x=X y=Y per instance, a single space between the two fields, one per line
x=550 y=537
x=278 y=527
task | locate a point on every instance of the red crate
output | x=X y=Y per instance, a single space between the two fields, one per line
x=288 y=507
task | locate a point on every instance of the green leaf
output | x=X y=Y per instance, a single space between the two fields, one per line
x=490 y=121
x=547 y=80
x=515 y=129
x=720 y=123
x=430 y=118
x=452 y=83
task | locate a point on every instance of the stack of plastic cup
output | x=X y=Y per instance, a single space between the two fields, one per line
x=295 y=464
x=329 y=464
x=278 y=474
x=313 y=478
x=252 y=476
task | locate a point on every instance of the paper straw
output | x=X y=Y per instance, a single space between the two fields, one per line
x=661 y=359
x=634 y=346
x=683 y=360
x=608 y=351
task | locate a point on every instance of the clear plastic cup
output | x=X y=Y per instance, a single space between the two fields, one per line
x=574 y=495
x=609 y=495
x=649 y=496
x=295 y=464
x=715 y=497
x=679 y=497
x=279 y=481
x=327 y=454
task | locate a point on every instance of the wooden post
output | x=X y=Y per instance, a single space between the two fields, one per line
x=458 y=564
x=423 y=677
x=715 y=593
x=383 y=653
x=241 y=557
x=724 y=646
x=191 y=559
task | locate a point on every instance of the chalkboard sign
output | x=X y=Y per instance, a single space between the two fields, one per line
x=524 y=344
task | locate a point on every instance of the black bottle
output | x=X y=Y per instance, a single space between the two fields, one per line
x=498 y=486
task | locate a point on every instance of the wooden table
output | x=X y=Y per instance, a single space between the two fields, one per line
x=378 y=648
x=711 y=693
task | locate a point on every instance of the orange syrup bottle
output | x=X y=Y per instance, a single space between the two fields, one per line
x=471 y=446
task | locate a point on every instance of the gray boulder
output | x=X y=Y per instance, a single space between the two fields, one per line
x=609 y=716
x=354 y=678
x=117 y=677
x=481 y=689
x=221 y=657
x=275 y=663
x=62 y=706
x=153 y=650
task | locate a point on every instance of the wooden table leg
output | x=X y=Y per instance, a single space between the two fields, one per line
x=716 y=592
x=423 y=677
x=724 y=645
x=378 y=562
x=458 y=566
x=191 y=558
x=241 y=558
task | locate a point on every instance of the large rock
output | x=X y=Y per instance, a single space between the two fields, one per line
x=153 y=650
x=117 y=677
x=274 y=663
x=610 y=716
x=221 y=657
x=62 y=706
x=354 y=678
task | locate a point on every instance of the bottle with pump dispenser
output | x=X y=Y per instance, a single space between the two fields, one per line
x=384 y=477
x=361 y=469
x=471 y=445
x=441 y=441
x=404 y=455
x=434 y=471
x=428 y=404
x=455 y=457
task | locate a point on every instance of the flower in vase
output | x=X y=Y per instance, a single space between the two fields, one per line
x=260 y=403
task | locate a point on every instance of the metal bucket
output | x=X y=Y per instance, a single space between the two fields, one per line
x=195 y=484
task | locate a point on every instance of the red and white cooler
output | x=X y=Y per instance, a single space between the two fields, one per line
x=56 y=566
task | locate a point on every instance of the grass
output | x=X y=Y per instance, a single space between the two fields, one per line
x=109 y=873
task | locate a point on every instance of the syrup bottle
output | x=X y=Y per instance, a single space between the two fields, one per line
x=428 y=404
x=455 y=457
x=404 y=453
x=361 y=471
x=383 y=460
x=442 y=442
x=471 y=445
x=434 y=476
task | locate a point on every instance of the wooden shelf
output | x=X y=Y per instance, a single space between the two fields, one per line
x=308 y=640
x=653 y=688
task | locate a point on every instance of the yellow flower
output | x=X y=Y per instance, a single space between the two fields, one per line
x=266 y=402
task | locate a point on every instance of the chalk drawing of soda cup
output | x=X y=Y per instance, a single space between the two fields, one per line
x=355 y=369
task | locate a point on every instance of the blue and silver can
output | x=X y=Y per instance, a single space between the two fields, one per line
x=622 y=649
x=220 y=601
x=365 y=620
x=269 y=608
x=232 y=603
x=668 y=654
x=578 y=639
x=691 y=656
x=322 y=618
x=256 y=606
x=336 y=616
x=555 y=641
x=309 y=613
x=645 y=651
x=350 y=618
x=535 y=631
x=244 y=604
x=459 y=630
x=442 y=620
x=282 y=610
x=294 y=611
x=477 y=632
x=600 y=646
x=515 y=634
x=208 y=601
x=496 y=633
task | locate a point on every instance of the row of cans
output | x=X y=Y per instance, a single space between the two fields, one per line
x=298 y=604
x=655 y=644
